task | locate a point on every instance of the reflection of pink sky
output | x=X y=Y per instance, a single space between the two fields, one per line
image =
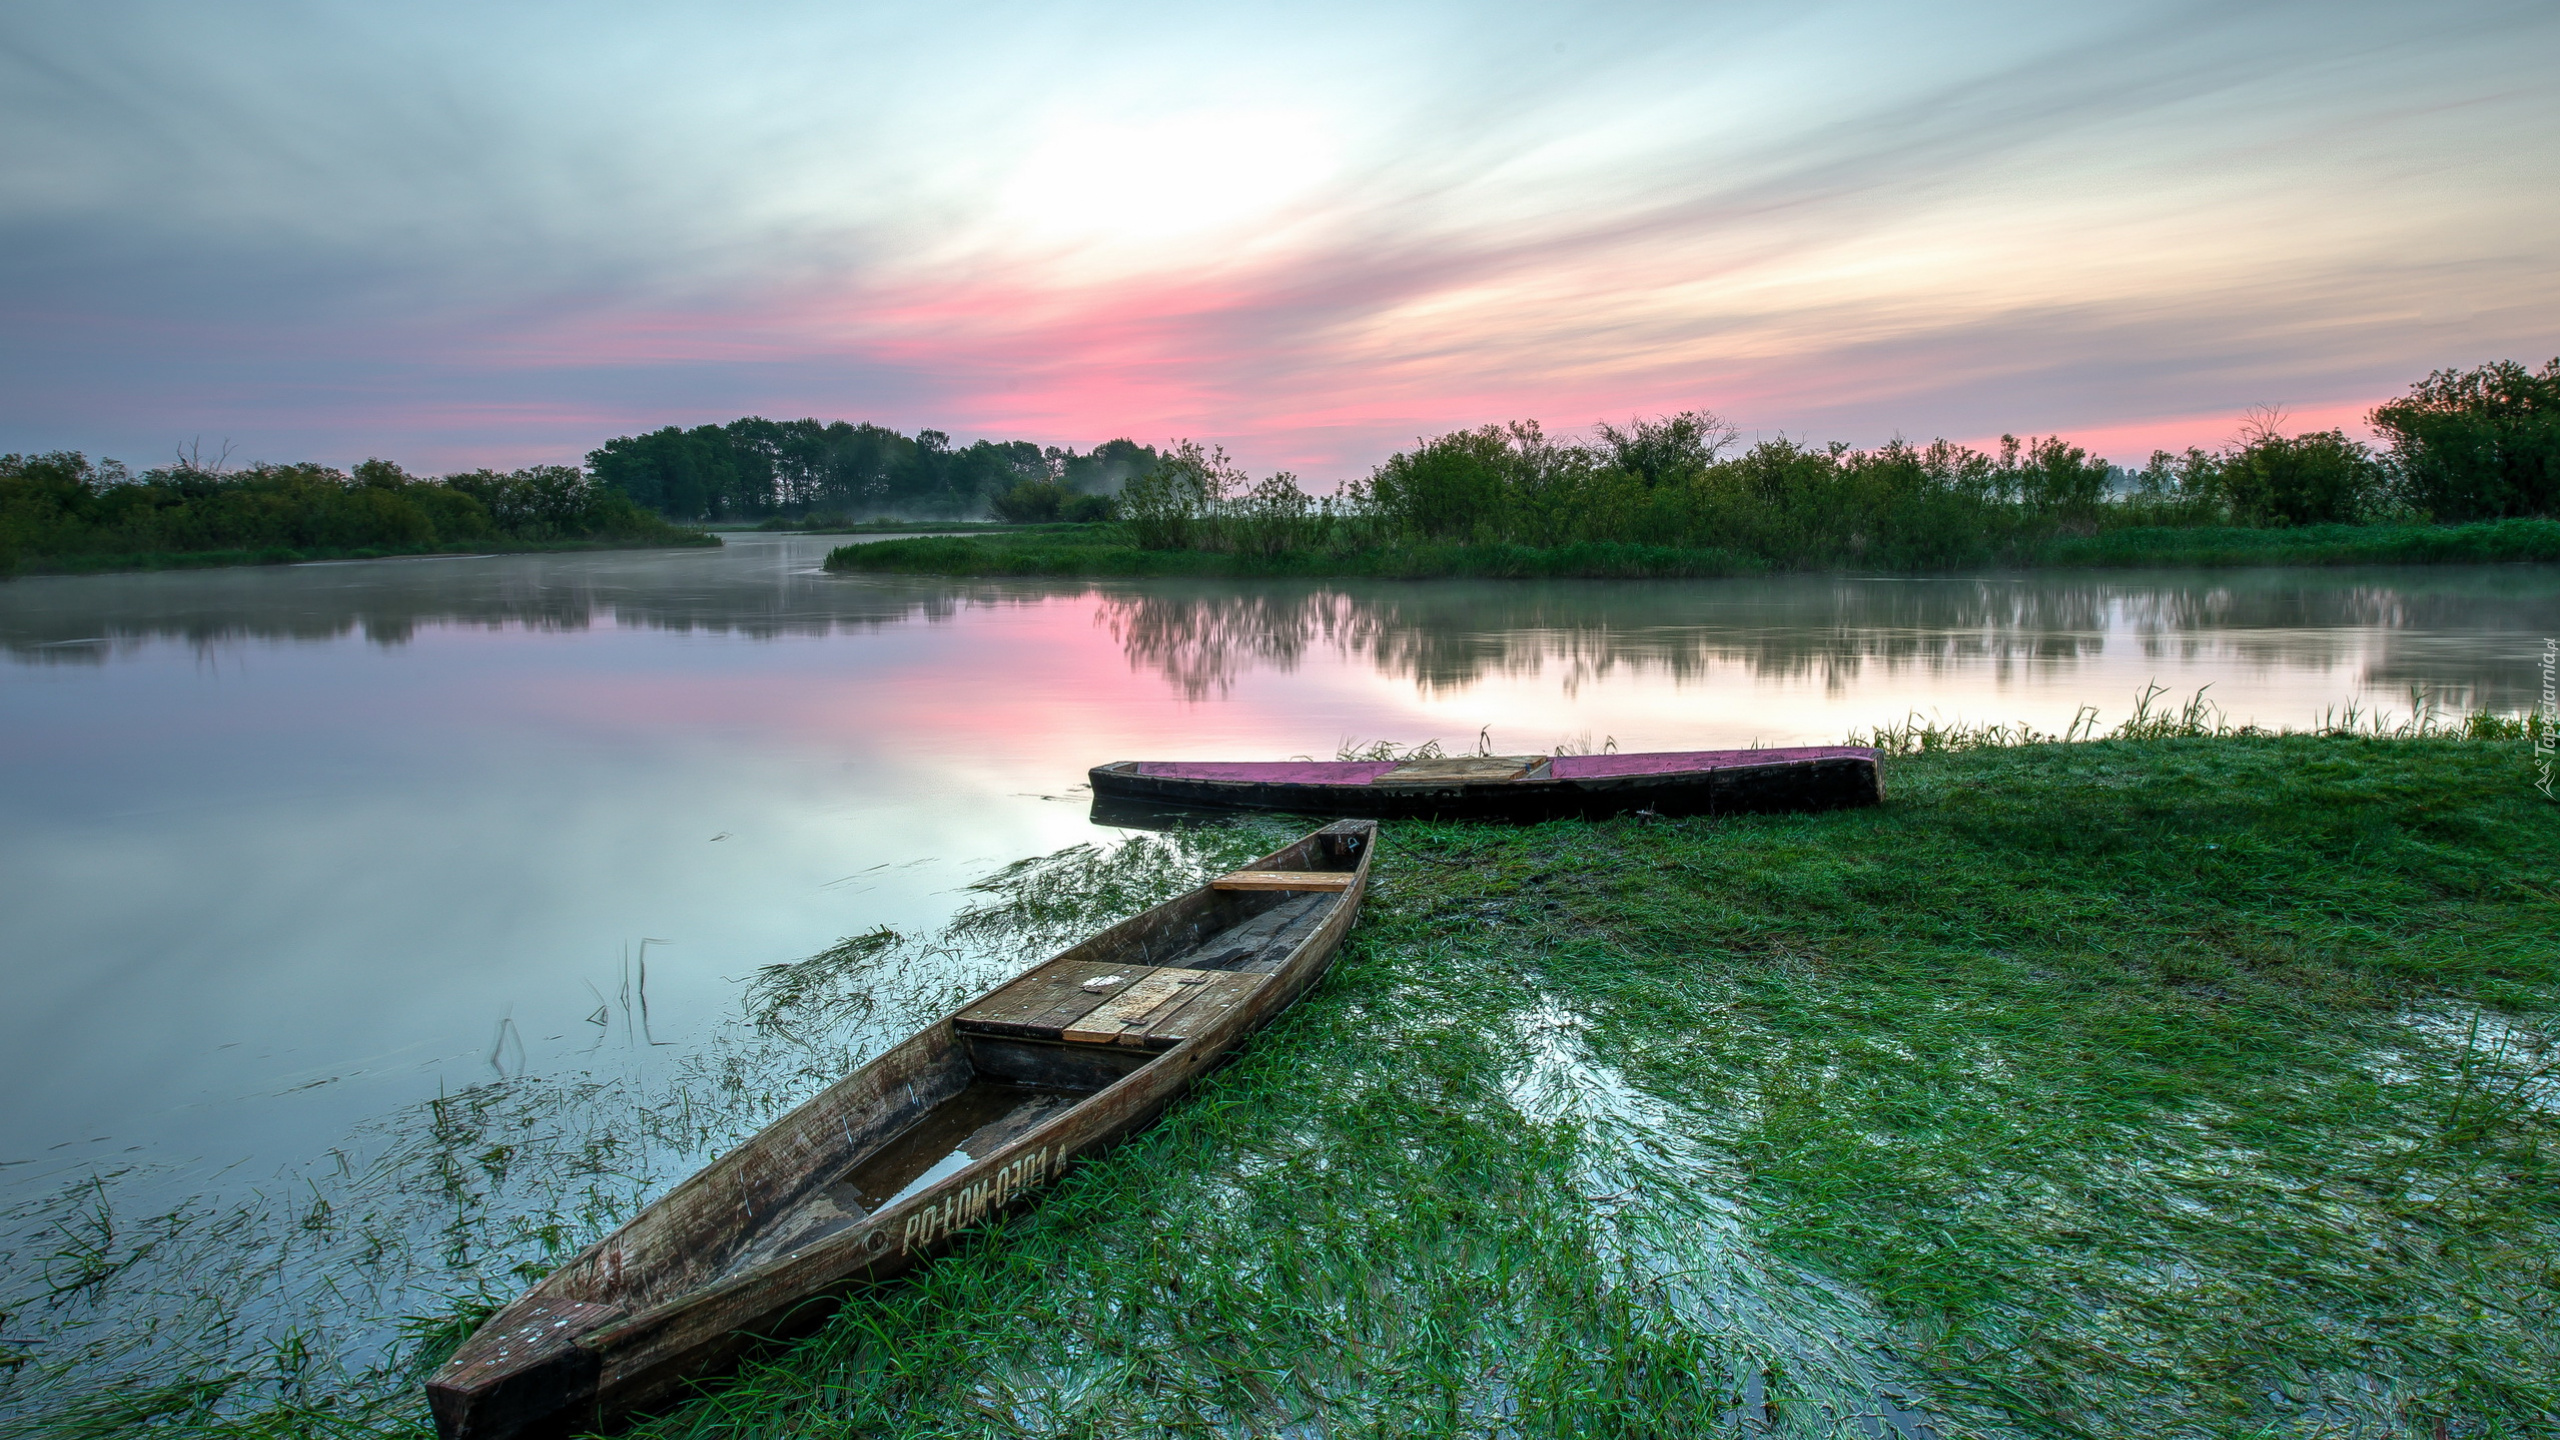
x=1045 y=693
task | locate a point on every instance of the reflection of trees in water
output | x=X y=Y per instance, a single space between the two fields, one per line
x=2423 y=629
x=2447 y=630
x=1201 y=641
x=83 y=620
x=1446 y=636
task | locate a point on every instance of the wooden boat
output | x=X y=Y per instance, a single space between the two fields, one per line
x=1508 y=787
x=967 y=1118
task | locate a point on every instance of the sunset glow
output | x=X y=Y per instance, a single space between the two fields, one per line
x=496 y=238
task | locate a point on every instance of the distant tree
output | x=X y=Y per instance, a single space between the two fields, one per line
x=1170 y=506
x=754 y=467
x=2317 y=478
x=1031 y=502
x=1669 y=448
x=2050 y=476
x=1459 y=486
x=1272 y=517
x=383 y=475
x=1110 y=465
x=2478 y=444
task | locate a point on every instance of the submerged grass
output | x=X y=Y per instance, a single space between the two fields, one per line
x=2189 y=1083
x=1105 y=551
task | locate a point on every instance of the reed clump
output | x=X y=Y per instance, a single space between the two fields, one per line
x=2200 y=718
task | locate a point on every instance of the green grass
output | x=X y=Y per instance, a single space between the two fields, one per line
x=2131 y=1088
x=820 y=525
x=2191 y=1085
x=2488 y=542
x=289 y=555
x=1103 y=551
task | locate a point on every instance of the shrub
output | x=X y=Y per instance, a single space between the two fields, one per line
x=2478 y=444
x=1457 y=487
x=2052 y=478
x=2318 y=478
x=1170 y=507
x=1030 y=502
x=1272 y=518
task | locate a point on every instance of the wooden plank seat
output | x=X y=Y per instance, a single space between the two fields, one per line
x=1151 y=1007
x=1324 y=880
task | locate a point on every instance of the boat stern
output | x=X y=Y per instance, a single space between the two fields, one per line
x=522 y=1375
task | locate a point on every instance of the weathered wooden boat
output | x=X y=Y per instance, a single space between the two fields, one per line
x=1508 y=787
x=961 y=1122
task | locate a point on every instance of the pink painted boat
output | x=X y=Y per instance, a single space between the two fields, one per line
x=1508 y=787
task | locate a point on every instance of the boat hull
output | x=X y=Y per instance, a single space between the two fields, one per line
x=1731 y=782
x=588 y=1346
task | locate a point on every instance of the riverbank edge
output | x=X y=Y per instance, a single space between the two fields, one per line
x=2260 y=901
x=291 y=555
x=919 y=527
x=2488 y=542
x=1467 y=919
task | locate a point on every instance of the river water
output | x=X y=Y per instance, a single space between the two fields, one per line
x=284 y=848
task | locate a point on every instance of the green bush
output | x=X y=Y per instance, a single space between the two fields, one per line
x=1170 y=506
x=1468 y=485
x=1042 y=502
x=2320 y=478
x=2479 y=444
x=1031 y=502
x=1668 y=482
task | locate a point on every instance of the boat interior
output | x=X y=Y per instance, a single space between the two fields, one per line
x=1017 y=1057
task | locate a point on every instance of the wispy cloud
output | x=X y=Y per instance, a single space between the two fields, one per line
x=1311 y=235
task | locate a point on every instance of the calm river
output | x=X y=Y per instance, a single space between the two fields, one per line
x=282 y=849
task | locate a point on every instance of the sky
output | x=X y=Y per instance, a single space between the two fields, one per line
x=461 y=234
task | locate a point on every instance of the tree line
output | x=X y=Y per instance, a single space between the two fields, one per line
x=755 y=468
x=2463 y=445
x=63 y=506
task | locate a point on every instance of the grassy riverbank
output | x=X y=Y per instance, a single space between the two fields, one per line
x=2163 y=1086
x=822 y=525
x=2134 y=1088
x=1106 y=550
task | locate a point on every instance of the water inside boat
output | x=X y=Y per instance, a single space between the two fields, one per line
x=1032 y=1050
